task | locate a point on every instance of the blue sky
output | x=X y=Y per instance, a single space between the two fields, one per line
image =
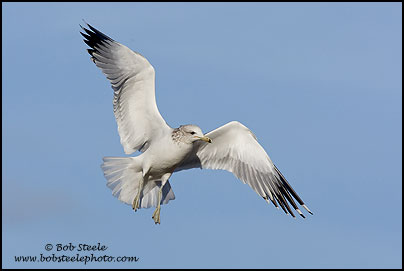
x=319 y=84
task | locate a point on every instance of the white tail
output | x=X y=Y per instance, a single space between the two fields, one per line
x=124 y=174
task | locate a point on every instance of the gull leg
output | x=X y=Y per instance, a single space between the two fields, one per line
x=136 y=201
x=156 y=214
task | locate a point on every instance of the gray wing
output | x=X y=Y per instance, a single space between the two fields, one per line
x=235 y=148
x=132 y=78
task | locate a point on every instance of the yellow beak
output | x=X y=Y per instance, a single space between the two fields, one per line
x=205 y=138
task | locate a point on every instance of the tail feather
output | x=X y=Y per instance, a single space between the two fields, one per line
x=123 y=176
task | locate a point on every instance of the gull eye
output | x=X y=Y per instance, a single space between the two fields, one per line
x=192 y=133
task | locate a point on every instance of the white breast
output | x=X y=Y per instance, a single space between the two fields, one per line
x=164 y=156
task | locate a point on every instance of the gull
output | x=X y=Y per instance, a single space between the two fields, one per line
x=143 y=181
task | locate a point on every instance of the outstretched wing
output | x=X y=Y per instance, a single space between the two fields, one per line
x=235 y=148
x=132 y=79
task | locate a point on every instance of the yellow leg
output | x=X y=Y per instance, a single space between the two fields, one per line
x=136 y=201
x=156 y=214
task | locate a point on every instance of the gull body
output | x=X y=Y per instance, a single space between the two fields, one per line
x=169 y=151
x=143 y=181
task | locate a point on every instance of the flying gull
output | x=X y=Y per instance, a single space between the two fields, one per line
x=143 y=181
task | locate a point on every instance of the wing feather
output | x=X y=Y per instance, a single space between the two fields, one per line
x=235 y=148
x=132 y=78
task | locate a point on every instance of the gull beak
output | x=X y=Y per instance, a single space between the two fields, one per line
x=205 y=138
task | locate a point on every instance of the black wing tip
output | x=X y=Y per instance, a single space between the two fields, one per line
x=300 y=213
x=307 y=209
x=282 y=196
x=92 y=36
x=91 y=51
x=288 y=186
x=85 y=23
x=98 y=33
x=290 y=190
